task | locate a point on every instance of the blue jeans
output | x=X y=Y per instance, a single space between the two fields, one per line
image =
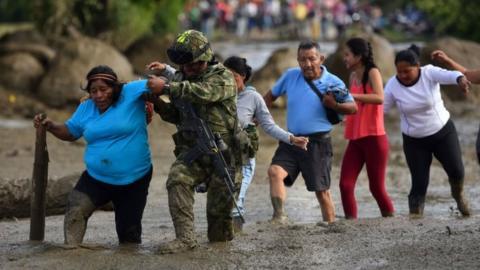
x=247 y=170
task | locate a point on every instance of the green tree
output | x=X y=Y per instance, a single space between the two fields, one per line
x=119 y=22
x=454 y=17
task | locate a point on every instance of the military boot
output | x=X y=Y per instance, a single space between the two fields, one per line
x=279 y=215
x=416 y=205
x=177 y=245
x=180 y=203
x=457 y=193
x=79 y=208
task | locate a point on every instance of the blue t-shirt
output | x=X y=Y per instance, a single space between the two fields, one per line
x=117 y=150
x=305 y=111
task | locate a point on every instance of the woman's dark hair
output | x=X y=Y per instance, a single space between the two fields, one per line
x=410 y=55
x=361 y=47
x=239 y=65
x=106 y=74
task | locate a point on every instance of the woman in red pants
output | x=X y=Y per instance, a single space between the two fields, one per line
x=368 y=142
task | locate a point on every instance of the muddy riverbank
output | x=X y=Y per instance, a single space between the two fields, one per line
x=440 y=240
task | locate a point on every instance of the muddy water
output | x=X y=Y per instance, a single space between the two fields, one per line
x=441 y=240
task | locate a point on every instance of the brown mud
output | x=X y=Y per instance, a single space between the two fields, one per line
x=439 y=240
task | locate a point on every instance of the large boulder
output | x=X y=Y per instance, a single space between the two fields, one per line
x=280 y=60
x=148 y=49
x=15 y=196
x=24 y=37
x=20 y=72
x=383 y=55
x=463 y=52
x=24 y=58
x=75 y=57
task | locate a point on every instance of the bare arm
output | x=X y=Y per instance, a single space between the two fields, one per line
x=375 y=80
x=473 y=75
x=59 y=130
x=269 y=98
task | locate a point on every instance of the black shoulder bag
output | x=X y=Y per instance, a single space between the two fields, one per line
x=332 y=116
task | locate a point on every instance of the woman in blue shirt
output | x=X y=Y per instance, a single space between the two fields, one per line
x=117 y=156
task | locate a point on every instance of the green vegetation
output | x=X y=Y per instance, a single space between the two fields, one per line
x=119 y=22
x=456 y=17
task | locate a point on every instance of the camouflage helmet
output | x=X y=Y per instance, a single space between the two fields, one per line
x=190 y=46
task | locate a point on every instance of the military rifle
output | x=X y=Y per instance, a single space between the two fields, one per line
x=206 y=143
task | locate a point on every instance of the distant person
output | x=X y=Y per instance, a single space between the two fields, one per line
x=251 y=109
x=426 y=126
x=112 y=121
x=472 y=75
x=368 y=142
x=306 y=116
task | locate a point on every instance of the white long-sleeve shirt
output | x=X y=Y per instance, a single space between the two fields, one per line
x=422 y=112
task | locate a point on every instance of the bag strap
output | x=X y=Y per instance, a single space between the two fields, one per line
x=314 y=88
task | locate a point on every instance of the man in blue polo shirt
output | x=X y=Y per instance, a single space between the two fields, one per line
x=306 y=116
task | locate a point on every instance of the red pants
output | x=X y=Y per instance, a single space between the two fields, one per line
x=372 y=151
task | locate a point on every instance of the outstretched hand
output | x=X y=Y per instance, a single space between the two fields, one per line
x=299 y=142
x=440 y=56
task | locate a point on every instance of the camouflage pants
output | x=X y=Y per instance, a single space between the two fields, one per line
x=181 y=181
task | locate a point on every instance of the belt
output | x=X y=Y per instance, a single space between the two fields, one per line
x=316 y=135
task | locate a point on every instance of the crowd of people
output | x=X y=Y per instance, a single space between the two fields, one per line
x=113 y=119
x=316 y=19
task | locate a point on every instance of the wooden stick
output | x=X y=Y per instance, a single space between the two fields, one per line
x=39 y=185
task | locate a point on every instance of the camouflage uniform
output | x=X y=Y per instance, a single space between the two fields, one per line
x=213 y=96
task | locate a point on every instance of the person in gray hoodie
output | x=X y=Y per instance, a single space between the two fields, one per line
x=252 y=110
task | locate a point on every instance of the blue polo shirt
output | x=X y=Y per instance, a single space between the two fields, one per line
x=305 y=111
x=117 y=150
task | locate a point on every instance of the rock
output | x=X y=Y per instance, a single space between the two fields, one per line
x=20 y=72
x=280 y=60
x=383 y=55
x=463 y=52
x=15 y=196
x=147 y=50
x=24 y=37
x=42 y=52
x=275 y=66
x=75 y=57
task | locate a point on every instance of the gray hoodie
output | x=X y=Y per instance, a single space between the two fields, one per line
x=250 y=105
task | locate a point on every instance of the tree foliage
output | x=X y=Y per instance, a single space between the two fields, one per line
x=454 y=17
x=119 y=22
x=457 y=18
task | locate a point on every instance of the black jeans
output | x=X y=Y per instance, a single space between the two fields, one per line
x=128 y=201
x=444 y=145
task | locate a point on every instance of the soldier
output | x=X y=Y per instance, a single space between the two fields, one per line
x=211 y=90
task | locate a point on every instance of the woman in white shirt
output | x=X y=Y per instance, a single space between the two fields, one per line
x=426 y=125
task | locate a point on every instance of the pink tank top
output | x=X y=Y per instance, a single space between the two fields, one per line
x=368 y=121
